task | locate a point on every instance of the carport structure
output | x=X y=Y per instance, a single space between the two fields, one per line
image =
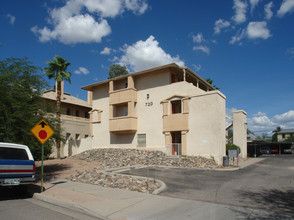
x=254 y=147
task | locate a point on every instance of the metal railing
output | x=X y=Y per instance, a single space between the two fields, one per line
x=174 y=150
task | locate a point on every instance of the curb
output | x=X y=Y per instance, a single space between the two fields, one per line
x=71 y=206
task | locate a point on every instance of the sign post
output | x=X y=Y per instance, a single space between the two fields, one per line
x=42 y=131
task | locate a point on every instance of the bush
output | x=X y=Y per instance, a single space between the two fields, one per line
x=232 y=147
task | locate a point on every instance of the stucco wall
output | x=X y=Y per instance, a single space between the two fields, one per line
x=150 y=110
x=101 y=135
x=240 y=131
x=207 y=126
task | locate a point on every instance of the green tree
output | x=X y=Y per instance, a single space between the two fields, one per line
x=210 y=81
x=57 y=69
x=275 y=135
x=21 y=105
x=290 y=139
x=116 y=70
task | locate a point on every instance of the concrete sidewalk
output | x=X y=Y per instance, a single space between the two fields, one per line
x=109 y=203
x=118 y=204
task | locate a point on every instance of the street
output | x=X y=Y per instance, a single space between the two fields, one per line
x=18 y=204
x=268 y=185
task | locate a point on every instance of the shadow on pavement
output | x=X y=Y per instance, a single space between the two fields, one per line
x=19 y=192
x=50 y=171
x=280 y=201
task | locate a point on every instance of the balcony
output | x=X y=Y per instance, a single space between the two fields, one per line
x=125 y=124
x=122 y=96
x=176 y=122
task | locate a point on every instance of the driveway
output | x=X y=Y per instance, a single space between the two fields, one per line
x=267 y=185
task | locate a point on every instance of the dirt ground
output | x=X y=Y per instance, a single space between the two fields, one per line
x=63 y=168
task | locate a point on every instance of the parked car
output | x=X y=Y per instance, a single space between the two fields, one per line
x=17 y=165
x=265 y=150
x=274 y=151
x=287 y=151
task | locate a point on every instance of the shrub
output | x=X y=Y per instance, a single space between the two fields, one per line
x=232 y=147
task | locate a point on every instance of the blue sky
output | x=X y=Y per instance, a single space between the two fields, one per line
x=245 y=46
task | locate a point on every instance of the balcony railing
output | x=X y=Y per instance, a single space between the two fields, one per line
x=126 y=124
x=174 y=150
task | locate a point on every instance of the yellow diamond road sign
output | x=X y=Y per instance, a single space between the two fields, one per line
x=42 y=131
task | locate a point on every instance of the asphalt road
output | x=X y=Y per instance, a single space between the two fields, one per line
x=268 y=185
x=18 y=204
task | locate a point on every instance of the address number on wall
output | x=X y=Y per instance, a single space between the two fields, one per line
x=148 y=103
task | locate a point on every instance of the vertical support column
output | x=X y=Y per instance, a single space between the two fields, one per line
x=168 y=141
x=111 y=86
x=186 y=105
x=165 y=108
x=90 y=97
x=131 y=83
x=240 y=131
x=184 y=142
x=110 y=111
x=131 y=109
x=91 y=123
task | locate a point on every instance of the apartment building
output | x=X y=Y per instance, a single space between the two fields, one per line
x=284 y=134
x=75 y=121
x=168 y=108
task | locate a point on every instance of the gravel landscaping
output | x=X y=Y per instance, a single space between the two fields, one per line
x=109 y=158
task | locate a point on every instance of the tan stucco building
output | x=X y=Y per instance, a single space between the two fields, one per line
x=168 y=108
x=284 y=134
x=75 y=121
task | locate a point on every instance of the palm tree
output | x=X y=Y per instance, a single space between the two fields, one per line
x=57 y=69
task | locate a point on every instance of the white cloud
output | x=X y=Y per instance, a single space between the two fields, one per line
x=197 y=67
x=202 y=48
x=258 y=30
x=77 y=29
x=106 y=51
x=198 y=38
x=268 y=10
x=238 y=37
x=240 y=8
x=76 y=22
x=291 y=52
x=11 y=18
x=220 y=24
x=259 y=114
x=82 y=70
x=137 y=6
x=287 y=6
x=147 y=54
x=284 y=118
x=253 y=4
x=261 y=123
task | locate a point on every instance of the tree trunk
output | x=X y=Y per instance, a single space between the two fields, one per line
x=58 y=115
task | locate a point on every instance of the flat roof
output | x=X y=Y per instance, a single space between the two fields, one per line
x=168 y=66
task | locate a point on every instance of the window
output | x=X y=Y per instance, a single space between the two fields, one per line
x=77 y=113
x=77 y=136
x=68 y=112
x=86 y=115
x=120 y=110
x=283 y=135
x=141 y=140
x=67 y=136
x=176 y=106
x=86 y=135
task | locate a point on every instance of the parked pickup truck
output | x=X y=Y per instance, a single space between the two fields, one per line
x=17 y=165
